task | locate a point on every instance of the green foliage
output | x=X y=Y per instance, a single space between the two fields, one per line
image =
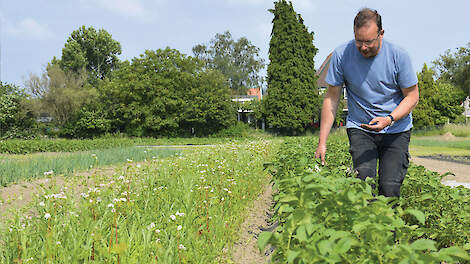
x=165 y=93
x=16 y=116
x=440 y=102
x=237 y=130
x=87 y=124
x=447 y=209
x=292 y=100
x=455 y=68
x=238 y=61
x=95 y=51
x=327 y=215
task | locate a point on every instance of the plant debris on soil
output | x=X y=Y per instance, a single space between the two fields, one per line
x=246 y=251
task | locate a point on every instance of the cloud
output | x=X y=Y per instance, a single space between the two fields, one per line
x=127 y=8
x=28 y=28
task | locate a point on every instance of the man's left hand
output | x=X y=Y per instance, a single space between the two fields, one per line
x=377 y=124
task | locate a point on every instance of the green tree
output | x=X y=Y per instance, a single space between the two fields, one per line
x=440 y=101
x=292 y=99
x=95 y=51
x=61 y=94
x=455 y=68
x=16 y=116
x=238 y=60
x=165 y=93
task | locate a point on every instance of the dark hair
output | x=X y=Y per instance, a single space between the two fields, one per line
x=365 y=15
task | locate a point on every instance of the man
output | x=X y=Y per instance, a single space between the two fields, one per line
x=382 y=90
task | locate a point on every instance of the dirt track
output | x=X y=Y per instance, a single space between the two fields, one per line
x=461 y=171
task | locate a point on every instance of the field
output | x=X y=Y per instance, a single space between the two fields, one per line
x=187 y=205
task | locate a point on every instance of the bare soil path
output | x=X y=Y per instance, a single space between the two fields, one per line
x=245 y=251
x=461 y=171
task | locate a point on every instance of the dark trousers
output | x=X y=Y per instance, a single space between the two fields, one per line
x=391 y=150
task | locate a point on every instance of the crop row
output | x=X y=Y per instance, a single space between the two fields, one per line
x=183 y=209
x=327 y=215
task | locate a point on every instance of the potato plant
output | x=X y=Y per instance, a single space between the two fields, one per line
x=326 y=215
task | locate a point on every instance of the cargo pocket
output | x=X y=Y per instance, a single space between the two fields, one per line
x=406 y=164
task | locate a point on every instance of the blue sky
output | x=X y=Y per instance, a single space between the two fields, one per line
x=32 y=32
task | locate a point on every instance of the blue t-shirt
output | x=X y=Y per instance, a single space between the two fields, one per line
x=373 y=85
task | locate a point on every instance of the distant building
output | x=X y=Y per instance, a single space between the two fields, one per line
x=245 y=114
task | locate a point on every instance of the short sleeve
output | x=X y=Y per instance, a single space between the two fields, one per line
x=335 y=75
x=406 y=74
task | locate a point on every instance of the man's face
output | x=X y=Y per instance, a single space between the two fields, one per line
x=368 y=39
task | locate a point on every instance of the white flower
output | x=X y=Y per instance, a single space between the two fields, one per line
x=42 y=204
x=317 y=168
x=58 y=243
x=48 y=173
x=173 y=217
x=151 y=226
x=111 y=205
x=47 y=215
x=179 y=214
x=179 y=228
x=129 y=160
x=157 y=231
x=182 y=247
x=138 y=165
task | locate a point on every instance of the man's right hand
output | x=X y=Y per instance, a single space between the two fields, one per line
x=320 y=153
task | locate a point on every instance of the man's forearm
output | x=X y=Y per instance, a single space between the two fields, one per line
x=408 y=103
x=328 y=113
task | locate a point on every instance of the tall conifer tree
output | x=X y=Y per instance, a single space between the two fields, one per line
x=292 y=101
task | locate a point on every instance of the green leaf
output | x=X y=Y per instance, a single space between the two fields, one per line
x=308 y=178
x=455 y=251
x=292 y=255
x=324 y=246
x=285 y=208
x=288 y=198
x=424 y=244
x=301 y=234
x=466 y=246
x=417 y=214
x=264 y=239
x=426 y=196
x=343 y=245
x=310 y=228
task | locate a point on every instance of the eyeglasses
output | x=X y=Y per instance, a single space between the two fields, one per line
x=368 y=43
